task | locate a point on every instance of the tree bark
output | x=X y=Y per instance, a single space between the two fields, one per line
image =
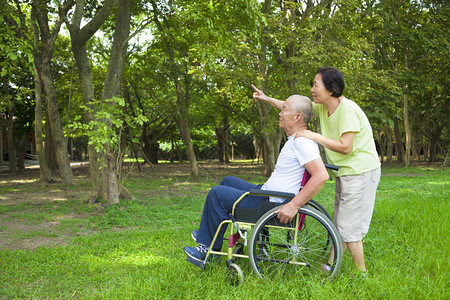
x=407 y=128
x=10 y=140
x=111 y=89
x=50 y=154
x=222 y=141
x=42 y=53
x=398 y=142
x=45 y=175
x=20 y=145
x=434 y=140
x=10 y=132
x=406 y=119
x=389 y=145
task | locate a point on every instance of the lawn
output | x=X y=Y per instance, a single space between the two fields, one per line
x=54 y=245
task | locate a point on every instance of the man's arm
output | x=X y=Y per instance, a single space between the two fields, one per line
x=319 y=176
x=259 y=95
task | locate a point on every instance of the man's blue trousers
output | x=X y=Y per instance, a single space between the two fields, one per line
x=219 y=203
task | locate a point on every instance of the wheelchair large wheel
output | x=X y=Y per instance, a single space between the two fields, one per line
x=297 y=250
x=319 y=207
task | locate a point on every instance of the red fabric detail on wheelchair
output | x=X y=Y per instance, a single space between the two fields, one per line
x=301 y=221
x=306 y=177
x=233 y=239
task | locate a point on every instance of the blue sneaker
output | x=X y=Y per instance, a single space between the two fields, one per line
x=194 y=235
x=197 y=253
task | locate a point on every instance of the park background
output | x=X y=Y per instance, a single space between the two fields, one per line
x=103 y=102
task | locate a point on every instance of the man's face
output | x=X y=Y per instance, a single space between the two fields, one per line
x=286 y=117
x=318 y=90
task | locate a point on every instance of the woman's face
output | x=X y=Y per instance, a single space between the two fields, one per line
x=318 y=90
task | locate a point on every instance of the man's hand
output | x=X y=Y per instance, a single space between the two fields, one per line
x=259 y=95
x=287 y=212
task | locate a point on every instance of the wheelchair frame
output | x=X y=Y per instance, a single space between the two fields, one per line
x=269 y=258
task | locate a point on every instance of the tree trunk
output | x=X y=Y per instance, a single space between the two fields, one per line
x=148 y=147
x=269 y=132
x=45 y=175
x=50 y=154
x=183 y=124
x=389 y=145
x=426 y=152
x=87 y=92
x=111 y=89
x=398 y=142
x=182 y=101
x=222 y=141
x=10 y=132
x=44 y=42
x=381 y=139
x=59 y=140
x=271 y=137
x=415 y=147
x=104 y=178
x=407 y=127
x=10 y=140
x=259 y=148
x=406 y=119
x=20 y=145
x=434 y=140
x=1 y=141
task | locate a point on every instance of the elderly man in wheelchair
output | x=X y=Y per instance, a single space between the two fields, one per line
x=296 y=156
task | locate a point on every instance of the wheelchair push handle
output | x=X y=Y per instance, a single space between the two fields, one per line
x=331 y=167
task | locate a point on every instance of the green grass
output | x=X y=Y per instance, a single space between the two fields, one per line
x=134 y=251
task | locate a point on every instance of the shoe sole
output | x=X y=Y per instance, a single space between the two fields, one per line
x=193 y=237
x=193 y=257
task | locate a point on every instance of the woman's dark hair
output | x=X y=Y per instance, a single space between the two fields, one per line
x=333 y=80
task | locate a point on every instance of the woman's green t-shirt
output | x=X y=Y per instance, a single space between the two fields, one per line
x=349 y=117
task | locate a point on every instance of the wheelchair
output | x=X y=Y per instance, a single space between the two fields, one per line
x=300 y=248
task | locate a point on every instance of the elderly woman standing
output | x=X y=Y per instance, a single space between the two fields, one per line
x=347 y=137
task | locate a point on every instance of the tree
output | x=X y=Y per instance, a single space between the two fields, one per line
x=180 y=77
x=104 y=165
x=407 y=37
x=44 y=41
x=26 y=47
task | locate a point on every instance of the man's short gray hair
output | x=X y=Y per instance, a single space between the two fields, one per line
x=302 y=105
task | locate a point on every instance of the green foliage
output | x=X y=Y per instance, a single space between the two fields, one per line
x=15 y=49
x=220 y=48
x=106 y=130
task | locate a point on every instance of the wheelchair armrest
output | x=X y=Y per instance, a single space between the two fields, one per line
x=332 y=167
x=268 y=193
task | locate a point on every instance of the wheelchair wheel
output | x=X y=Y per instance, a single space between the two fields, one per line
x=235 y=275
x=320 y=208
x=294 y=251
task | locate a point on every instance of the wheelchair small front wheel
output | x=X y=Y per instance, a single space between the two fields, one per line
x=235 y=275
x=239 y=249
x=296 y=250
